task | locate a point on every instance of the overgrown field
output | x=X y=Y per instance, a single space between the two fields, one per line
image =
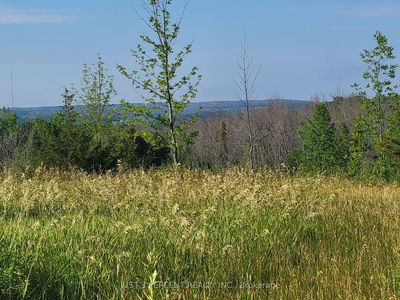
x=183 y=234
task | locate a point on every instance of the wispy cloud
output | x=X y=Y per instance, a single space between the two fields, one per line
x=30 y=16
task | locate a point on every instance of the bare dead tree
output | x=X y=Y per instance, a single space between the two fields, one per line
x=245 y=84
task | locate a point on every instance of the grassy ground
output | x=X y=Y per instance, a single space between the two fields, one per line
x=197 y=235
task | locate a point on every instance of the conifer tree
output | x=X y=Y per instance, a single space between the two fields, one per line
x=68 y=112
x=322 y=148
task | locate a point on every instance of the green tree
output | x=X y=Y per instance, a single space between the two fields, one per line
x=9 y=137
x=375 y=98
x=131 y=149
x=157 y=79
x=8 y=121
x=59 y=142
x=68 y=112
x=391 y=137
x=343 y=143
x=95 y=114
x=322 y=148
x=95 y=95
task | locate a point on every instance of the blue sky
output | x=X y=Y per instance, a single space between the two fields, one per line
x=303 y=47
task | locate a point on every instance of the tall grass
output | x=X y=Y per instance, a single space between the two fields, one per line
x=180 y=234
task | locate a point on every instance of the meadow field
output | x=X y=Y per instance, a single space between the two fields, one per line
x=187 y=234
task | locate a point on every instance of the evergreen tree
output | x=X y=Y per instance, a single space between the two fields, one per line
x=68 y=112
x=322 y=148
x=343 y=144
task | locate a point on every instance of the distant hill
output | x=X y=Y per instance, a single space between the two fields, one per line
x=204 y=108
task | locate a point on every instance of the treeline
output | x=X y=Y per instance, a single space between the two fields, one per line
x=86 y=134
x=72 y=139
x=316 y=138
x=357 y=135
x=354 y=135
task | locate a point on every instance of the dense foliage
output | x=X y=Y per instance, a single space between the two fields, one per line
x=323 y=147
x=325 y=138
x=371 y=148
x=70 y=143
